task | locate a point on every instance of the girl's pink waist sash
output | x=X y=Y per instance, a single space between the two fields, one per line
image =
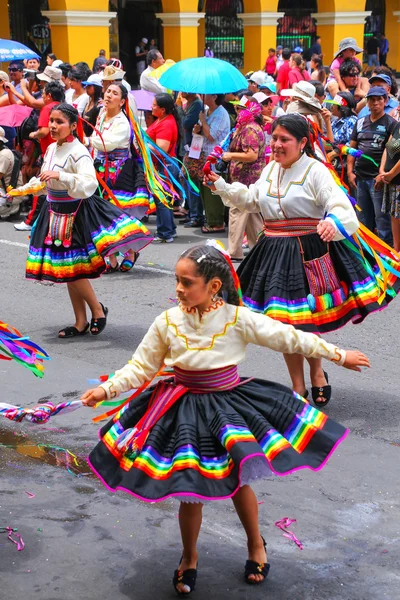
x=166 y=393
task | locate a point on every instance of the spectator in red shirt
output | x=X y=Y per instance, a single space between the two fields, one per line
x=298 y=71
x=53 y=94
x=165 y=133
x=270 y=63
x=282 y=81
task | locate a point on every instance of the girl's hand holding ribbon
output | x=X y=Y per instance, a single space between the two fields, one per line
x=209 y=180
x=93 y=396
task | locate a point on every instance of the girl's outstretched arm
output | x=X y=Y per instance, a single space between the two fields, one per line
x=264 y=331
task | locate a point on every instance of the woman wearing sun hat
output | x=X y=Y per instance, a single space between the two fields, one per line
x=304 y=102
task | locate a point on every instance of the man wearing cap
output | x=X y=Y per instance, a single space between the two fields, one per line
x=99 y=61
x=141 y=53
x=370 y=135
x=384 y=81
x=154 y=60
x=256 y=80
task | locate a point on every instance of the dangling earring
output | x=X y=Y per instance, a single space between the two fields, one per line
x=214 y=298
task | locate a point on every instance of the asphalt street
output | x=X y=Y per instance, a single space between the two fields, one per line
x=84 y=543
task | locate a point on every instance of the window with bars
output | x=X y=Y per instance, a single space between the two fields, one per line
x=224 y=29
x=297 y=28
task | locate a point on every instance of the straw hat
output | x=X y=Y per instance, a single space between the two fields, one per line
x=304 y=91
x=111 y=73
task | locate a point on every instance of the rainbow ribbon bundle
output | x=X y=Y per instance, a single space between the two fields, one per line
x=13 y=346
x=161 y=182
x=39 y=414
x=356 y=153
x=365 y=242
x=212 y=159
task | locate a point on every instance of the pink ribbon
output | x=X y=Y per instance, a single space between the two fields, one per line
x=19 y=542
x=283 y=524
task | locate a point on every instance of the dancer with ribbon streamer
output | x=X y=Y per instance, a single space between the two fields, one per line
x=75 y=230
x=205 y=434
x=120 y=173
x=308 y=269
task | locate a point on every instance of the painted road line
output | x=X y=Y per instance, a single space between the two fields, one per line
x=136 y=267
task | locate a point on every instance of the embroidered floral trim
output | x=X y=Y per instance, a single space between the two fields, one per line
x=216 y=335
x=193 y=310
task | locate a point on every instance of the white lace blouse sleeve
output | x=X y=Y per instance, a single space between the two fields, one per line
x=264 y=331
x=239 y=195
x=80 y=178
x=334 y=201
x=117 y=136
x=144 y=364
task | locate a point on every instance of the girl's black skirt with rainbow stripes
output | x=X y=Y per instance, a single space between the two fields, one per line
x=99 y=229
x=208 y=444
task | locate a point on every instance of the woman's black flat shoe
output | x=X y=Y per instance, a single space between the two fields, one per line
x=254 y=568
x=110 y=269
x=187 y=577
x=99 y=324
x=69 y=332
x=321 y=395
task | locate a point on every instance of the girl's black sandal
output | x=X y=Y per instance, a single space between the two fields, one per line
x=187 y=577
x=321 y=395
x=254 y=568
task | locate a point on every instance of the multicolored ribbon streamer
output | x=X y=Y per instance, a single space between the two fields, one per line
x=355 y=153
x=13 y=346
x=283 y=524
x=39 y=414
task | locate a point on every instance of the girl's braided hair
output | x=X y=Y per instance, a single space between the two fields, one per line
x=69 y=111
x=210 y=263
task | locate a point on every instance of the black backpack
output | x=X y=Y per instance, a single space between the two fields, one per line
x=29 y=125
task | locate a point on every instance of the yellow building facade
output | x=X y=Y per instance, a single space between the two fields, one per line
x=80 y=27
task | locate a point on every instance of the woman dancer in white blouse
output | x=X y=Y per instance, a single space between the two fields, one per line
x=111 y=141
x=301 y=271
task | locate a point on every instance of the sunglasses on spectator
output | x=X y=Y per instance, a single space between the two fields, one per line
x=13 y=69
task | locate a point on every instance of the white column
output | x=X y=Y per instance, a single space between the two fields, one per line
x=79 y=18
x=189 y=19
x=355 y=17
x=261 y=18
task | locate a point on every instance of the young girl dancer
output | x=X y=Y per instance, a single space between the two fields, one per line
x=75 y=229
x=206 y=433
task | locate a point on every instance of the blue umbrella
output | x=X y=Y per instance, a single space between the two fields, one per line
x=10 y=50
x=203 y=76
